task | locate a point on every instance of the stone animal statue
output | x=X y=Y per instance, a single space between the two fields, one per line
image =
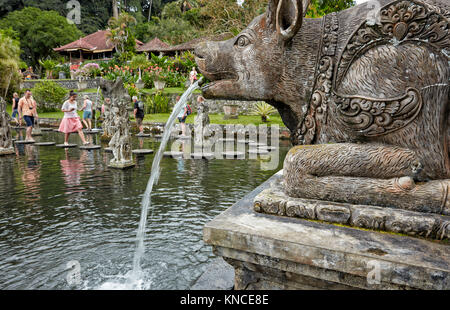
x=365 y=93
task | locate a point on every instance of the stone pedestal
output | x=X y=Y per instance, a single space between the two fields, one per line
x=275 y=252
x=231 y=111
x=122 y=165
x=7 y=151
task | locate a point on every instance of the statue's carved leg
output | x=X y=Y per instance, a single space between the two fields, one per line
x=363 y=174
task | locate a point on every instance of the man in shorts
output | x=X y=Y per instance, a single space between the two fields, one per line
x=139 y=114
x=28 y=112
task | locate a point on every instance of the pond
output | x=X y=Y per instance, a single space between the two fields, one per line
x=58 y=206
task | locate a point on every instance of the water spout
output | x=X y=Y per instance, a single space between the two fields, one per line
x=146 y=200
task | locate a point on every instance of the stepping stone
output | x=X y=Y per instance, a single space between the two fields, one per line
x=173 y=154
x=202 y=155
x=96 y=130
x=45 y=143
x=142 y=152
x=258 y=151
x=18 y=128
x=108 y=150
x=233 y=154
x=90 y=147
x=90 y=132
x=68 y=146
x=46 y=129
x=158 y=136
x=145 y=135
x=183 y=137
x=56 y=130
x=24 y=142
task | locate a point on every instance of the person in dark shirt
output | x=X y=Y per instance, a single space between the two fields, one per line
x=139 y=114
x=15 y=107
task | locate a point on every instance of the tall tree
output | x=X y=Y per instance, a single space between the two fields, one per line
x=115 y=9
x=39 y=32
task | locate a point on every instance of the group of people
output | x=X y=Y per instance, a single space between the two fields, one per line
x=25 y=110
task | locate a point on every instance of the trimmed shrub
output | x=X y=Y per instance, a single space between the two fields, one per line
x=49 y=96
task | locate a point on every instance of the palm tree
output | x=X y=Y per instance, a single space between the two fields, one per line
x=118 y=31
x=115 y=9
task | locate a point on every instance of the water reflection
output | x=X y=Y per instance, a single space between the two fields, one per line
x=63 y=205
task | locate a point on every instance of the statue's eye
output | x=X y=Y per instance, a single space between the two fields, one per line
x=243 y=41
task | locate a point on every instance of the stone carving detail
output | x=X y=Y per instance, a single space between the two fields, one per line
x=6 y=146
x=371 y=95
x=400 y=21
x=118 y=123
x=322 y=91
x=274 y=201
x=371 y=117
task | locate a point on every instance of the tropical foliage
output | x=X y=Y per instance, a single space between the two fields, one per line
x=264 y=110
x=9 y=63
x=39 y=32
x=49 y=96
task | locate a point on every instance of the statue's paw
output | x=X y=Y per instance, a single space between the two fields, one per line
x=405 y=183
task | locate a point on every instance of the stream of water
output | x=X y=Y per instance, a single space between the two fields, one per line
x=134 y=278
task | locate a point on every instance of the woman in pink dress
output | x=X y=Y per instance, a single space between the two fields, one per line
x=71 y=122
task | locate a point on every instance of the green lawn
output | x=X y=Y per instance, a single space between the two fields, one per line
x=218 y=119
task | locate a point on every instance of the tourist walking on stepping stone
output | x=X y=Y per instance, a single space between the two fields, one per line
x=87 y=114
x=28 y=112
x=71 y=122
x=139 y=114
x=15 y=107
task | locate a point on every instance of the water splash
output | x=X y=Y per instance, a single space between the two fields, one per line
x=146 y=200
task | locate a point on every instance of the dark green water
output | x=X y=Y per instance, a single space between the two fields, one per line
x=58 y=206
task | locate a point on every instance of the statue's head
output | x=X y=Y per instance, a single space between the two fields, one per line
x=246 y=66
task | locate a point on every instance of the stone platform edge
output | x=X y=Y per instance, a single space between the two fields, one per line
x=270 y=252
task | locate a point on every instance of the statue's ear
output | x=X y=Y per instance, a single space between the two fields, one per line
x=287 y=16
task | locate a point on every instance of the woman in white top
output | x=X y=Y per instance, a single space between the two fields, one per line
x=71 y=121
x=87 y=114
x=193 y=76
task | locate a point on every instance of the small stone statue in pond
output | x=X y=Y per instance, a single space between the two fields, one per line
x=6 y=146
x=118 y=123
x=112 y=91
x=201 y=122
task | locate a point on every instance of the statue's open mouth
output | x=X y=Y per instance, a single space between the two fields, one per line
x=216 y=78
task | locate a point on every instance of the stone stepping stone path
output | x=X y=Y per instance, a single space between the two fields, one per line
x=202 y=155
x=142 y=152
x=227 y=155
x=90 y=147
x=24 y=142
x=173 y=154
x=68 y=146
x=108 y=150
x=45 y=143
x=46 y=129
